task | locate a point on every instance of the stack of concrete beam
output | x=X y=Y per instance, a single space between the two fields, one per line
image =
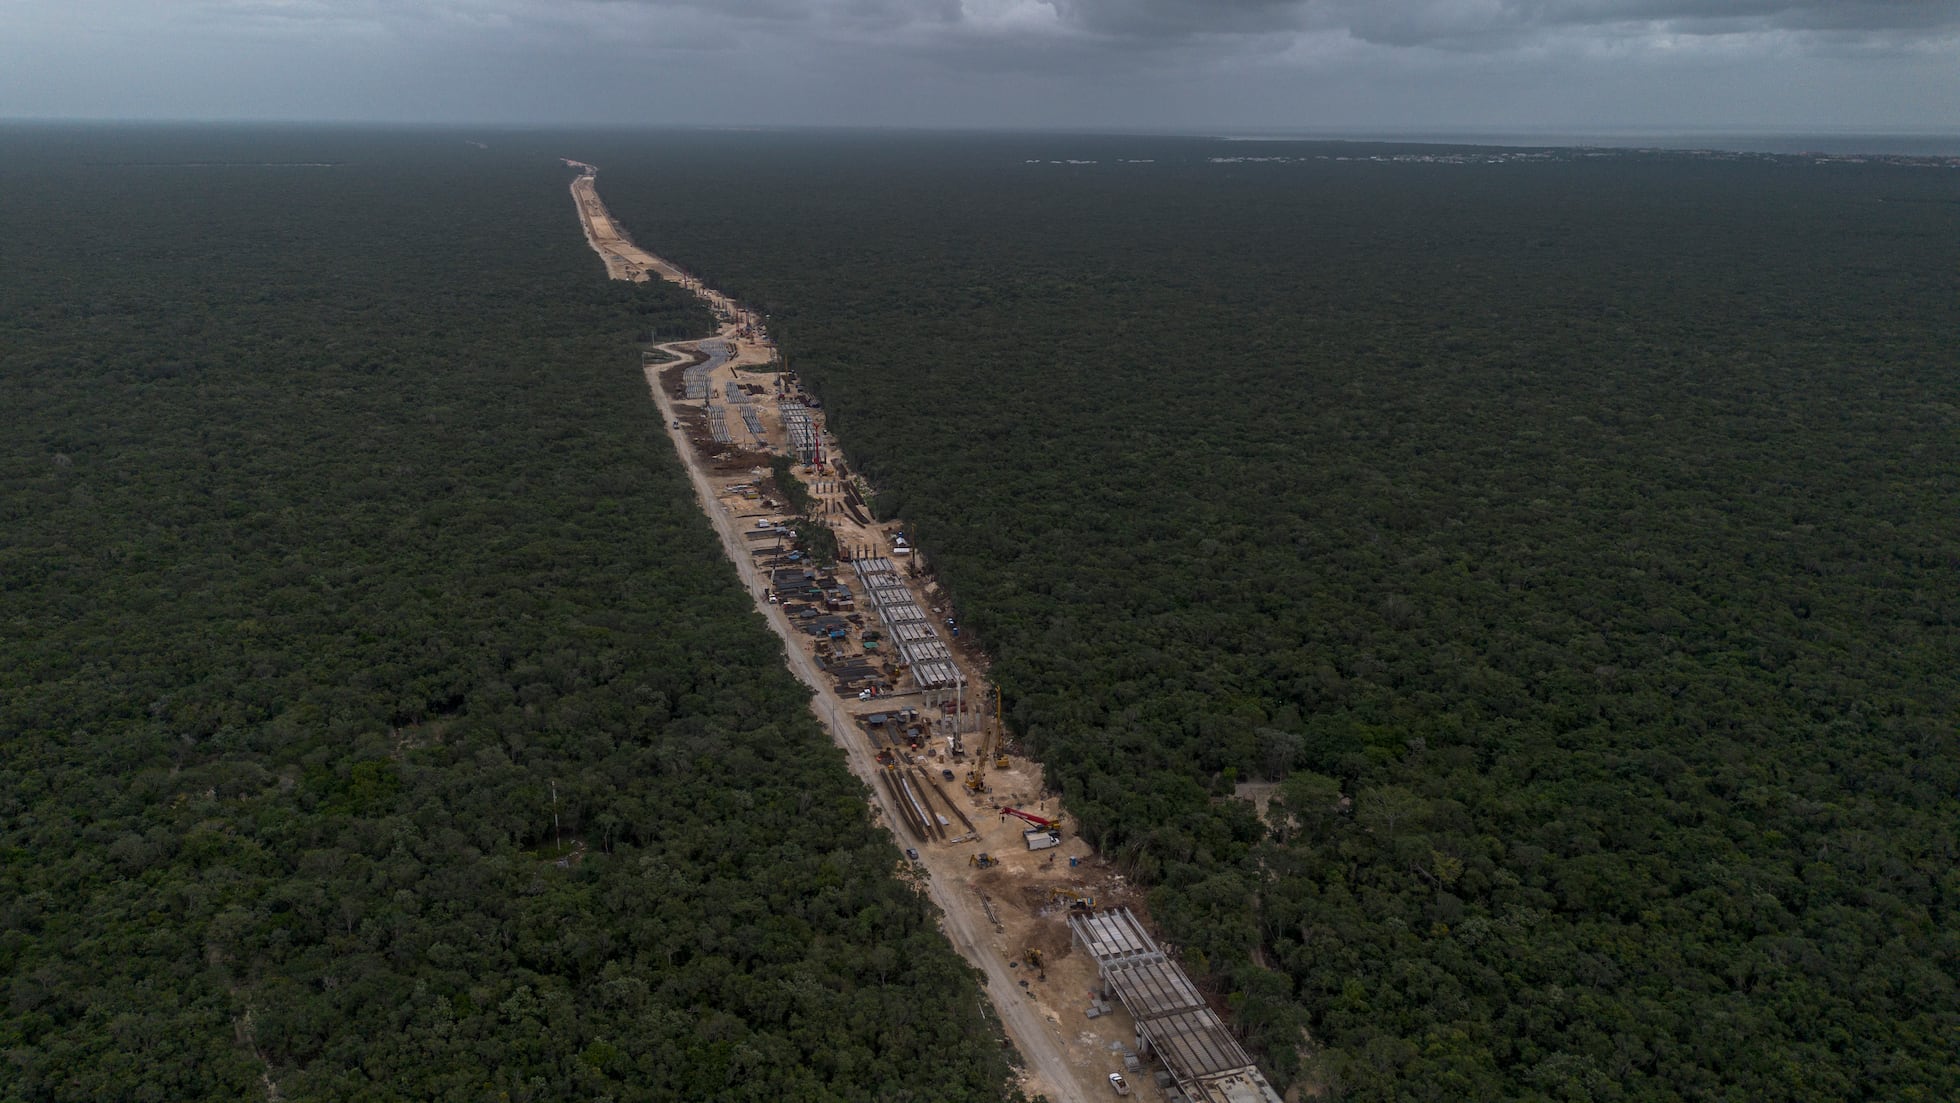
x=695 y=379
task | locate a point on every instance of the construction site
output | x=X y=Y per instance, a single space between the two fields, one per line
x=1096 y=1008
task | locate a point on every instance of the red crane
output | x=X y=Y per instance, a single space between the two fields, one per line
x=1038 y=821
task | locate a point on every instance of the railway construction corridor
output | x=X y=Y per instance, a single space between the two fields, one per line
x=1063 y=1068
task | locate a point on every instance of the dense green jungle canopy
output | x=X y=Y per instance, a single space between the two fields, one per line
x=379 y=718
x=1573 y=540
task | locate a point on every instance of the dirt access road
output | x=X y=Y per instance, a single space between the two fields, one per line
x=1053 y=1066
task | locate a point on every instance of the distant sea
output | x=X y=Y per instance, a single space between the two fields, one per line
x=1916 y=144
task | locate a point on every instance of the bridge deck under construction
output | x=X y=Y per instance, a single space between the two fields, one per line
x=801 y=430
x=912 y=633
x=1173 y=1020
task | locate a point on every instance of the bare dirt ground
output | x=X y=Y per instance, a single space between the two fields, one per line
x=1067 y=1055
x=1260 y=793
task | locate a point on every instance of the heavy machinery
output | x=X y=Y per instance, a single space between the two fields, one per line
x=981 y=860
x=1042 y=822
x=1032 y=956
x=1042 y=832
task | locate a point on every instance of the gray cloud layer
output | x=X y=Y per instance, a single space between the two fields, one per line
x=994 y=62
x=1391 y=22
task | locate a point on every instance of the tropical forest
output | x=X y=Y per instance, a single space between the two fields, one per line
x=1501 y=606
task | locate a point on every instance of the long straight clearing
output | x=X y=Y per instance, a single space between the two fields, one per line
x=991 y=915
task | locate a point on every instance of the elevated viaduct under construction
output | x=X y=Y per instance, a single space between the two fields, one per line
x=1205 y=1062
x=917 y=641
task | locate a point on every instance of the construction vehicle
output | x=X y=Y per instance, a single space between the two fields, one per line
x=1042 y=822
x=981 y=860
x=1042 y=832
x=1032 y=956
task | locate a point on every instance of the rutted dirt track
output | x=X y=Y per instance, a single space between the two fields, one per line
x=1067 y=1070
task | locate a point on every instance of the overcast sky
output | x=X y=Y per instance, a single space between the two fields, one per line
x=1159 y=64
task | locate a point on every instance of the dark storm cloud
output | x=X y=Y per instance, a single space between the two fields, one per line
x=1189 y=63
x=1418 y=23
x=1182 y=18
x=1499 y=23
x=856 y=14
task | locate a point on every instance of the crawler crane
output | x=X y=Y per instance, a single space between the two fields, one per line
x=1042 y=822
x=1041 y=833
